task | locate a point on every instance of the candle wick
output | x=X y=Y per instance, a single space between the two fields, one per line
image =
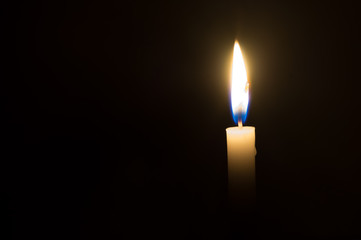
x=240 y=124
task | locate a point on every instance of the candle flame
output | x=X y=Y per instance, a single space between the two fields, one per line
x=239 y=86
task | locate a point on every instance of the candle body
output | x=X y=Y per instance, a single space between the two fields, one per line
x=241 y=154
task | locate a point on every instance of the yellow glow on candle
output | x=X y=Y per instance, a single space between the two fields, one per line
x=239 y=85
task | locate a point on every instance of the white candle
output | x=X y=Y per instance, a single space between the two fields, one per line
x=241 y=153
x=241 y=149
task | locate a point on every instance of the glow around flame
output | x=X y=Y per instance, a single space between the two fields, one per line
x=239 y=86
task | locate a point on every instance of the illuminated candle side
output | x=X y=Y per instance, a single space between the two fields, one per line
x=241 y=153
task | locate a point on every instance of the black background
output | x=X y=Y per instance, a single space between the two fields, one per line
x=113 y=118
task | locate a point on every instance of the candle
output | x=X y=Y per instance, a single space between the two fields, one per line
x=241 y=149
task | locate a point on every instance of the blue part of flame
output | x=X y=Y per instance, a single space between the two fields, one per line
x=240 y=115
